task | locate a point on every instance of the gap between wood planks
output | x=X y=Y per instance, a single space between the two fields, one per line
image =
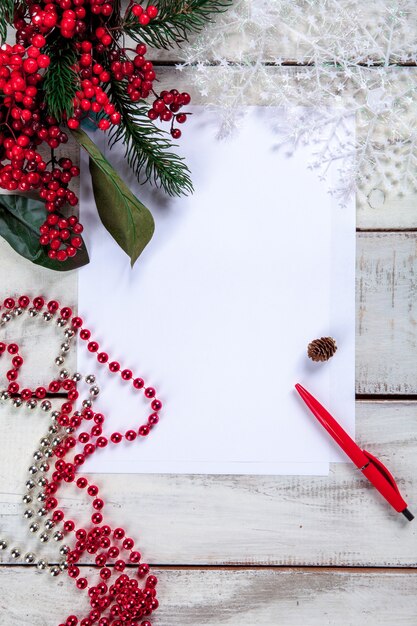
x=239 y=568
x=386 y=397
x=286 y=63
x=386 y=230
x=359 y=397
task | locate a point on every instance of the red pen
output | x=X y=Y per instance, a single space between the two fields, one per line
x=370 y=466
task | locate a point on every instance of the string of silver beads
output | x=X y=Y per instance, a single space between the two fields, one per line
x=34 y=490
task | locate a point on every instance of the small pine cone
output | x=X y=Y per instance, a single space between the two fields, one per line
x=322 y=349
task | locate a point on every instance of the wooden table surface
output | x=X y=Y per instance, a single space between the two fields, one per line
x=267 y=551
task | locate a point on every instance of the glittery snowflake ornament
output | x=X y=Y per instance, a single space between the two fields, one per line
x=340 y=58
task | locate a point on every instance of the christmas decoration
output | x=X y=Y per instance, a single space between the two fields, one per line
x=336 y=61
x=321 y=349
x=70 y=62
x=125 y=592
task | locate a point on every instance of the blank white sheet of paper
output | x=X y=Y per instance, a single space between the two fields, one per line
x=219 y=309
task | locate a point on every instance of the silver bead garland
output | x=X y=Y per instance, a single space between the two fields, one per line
x=41 y=528
x=34 y=490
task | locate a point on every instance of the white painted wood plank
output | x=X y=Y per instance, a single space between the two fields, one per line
x=233 y=598
x=270 y=29
x=386 y=347
x=331 y=520
x=384 y=210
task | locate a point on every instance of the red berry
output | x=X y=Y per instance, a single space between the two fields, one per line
x=38 y=41
x=43 y=61
x=144 y=19
x=73 y=123
x=185 y=98
x=152 y=11
x=30 y=65
x=86 y=60
x=50 y=20
x=104 y=124
x=137 y=10
x=76 y=242
x=61 y=255
x=106 y=40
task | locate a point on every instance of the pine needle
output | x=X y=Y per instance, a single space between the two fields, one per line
x=61 y=81
x=6 y=17
x=176 y=20
x=147 y=147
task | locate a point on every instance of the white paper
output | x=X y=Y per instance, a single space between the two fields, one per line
x=219 y=309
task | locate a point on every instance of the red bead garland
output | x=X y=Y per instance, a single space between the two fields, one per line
x=124 y=601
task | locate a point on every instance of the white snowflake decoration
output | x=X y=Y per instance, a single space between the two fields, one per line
x=342 y=58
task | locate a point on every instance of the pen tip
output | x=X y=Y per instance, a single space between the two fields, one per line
x=301 y=391
x=408 y=514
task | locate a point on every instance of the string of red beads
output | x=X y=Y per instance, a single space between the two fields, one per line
x=121 y=602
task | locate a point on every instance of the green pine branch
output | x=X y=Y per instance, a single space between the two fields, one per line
x=176 y=20
x=148 y=149
x=7 y=8
x=60 y=83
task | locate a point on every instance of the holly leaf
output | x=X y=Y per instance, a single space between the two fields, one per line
x=20 y=220
x=128 y=221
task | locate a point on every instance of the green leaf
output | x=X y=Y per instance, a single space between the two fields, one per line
x=20 y=219
x=128 y=221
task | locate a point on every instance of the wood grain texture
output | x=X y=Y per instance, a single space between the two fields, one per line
x=386 y=346
x=281 y=36
x=268 y=597
x=331 y=520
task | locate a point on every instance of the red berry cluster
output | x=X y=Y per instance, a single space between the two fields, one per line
x=144 y=15
x=24 y=126
x=43 y=26
x=57 y=231
x=70 y=16
x=166 y=107
x=61 y=235
x=139 y=73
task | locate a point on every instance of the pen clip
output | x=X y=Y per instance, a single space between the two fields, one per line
x=382 y=469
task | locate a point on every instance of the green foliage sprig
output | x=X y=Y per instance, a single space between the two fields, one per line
x=7 y=8
x=86 y=72
x=176 y=20
x=147 y=147
x=61 y=82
